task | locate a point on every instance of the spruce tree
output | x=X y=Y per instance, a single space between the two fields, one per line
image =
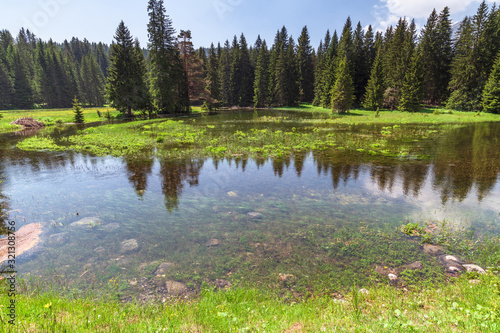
x=6 y=89
x=305 y=67
x=235 y=76
x=168 y=79
x=343 y=89
x=77 y=110
x=247 y=74
x=261 y=78
x=213 y=75
x=411 y=92
x=491 y=92
x=374 y=95
x=23 y=93
x=225 y=74
x=121 y=86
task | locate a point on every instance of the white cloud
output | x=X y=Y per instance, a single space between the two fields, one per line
x=388 y=12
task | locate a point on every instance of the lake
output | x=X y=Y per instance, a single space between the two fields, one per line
x=307 y=222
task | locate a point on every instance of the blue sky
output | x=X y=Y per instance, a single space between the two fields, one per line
x=214 y=20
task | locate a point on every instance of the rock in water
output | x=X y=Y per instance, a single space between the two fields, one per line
x=163 y=268
x=433 y=249
x=474 y=268
x=233 y=194
x=414 y=265
x=255 y=215
x=27 y=237
x=176 y=288
x=59 y=239
x=87 y=222
x=111 y=227
x=212 y=242
x=129 y=246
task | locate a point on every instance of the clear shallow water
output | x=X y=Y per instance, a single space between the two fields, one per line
x=307 y=204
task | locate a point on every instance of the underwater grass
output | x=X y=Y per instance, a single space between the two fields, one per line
x=462 y=306
x=259 y=138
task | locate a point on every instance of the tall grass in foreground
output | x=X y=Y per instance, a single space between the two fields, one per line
x=467 y=305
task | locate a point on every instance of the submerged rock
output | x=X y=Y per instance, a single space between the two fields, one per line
x=99 y=249
x=176 y=288
x=27 y=237
x=223 y=284
x=163 y=268
x=255 y=215
x=414 y=265
x=449 y=260
x=232 y=194
x=129 y=246
x=58 y=239
x=88 y=222
x=433 y=249
x=111 y=227
x=474 y=268
x=212 y=242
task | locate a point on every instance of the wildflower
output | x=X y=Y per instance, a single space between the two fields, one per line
x=48 y=305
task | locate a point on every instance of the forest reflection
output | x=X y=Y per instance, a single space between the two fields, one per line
x=466 y=159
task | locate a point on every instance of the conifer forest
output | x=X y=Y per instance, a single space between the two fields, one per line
x=456 y=65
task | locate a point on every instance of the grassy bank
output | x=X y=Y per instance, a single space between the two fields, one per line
x=466 y=305
x=53 y=116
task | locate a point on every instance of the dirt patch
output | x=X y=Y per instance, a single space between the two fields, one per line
x=28 y=123
x=26 y=238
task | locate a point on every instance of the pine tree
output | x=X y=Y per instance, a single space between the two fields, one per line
x=23 y=93
x=6 y=89
x=305 y=67
x=234 y=76
x=361 y=72
x=77 y=110
x=225 y=74
x=343 y=89
x=491 y=92
x=374 y=95
x=121 y=76
x=168 y=79
x=411 y=92
x=245 y=94
x=261 y=78
x=213 y=75
x=141 y=95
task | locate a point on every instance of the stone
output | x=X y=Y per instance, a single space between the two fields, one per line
x=163 y=268
x=433 y=249
x=99 y=249
x=255 y=215
x=212 y=242
x=176 y=288
x=449 y=260
x=453 y=269
x=223 y=284
x=27 y=237
x=474 y=268
x=392 y=277
x=232 y=194
x=111 y=227
x=414 y=265
x=129 y=246
x=88 y=222
x=59 y=239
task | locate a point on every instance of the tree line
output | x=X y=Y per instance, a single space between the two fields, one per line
x=457 y=66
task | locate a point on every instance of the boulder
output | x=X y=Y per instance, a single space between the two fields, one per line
x=474 y=268
x=163 y=268
x=212 y=242
x=255 y=215
x=449 y=260
x=88 y=222
x=176 y=288
x=58 y=239
x=129 y=246
x=414 y=266
x=111 y=227
x=433 y=249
